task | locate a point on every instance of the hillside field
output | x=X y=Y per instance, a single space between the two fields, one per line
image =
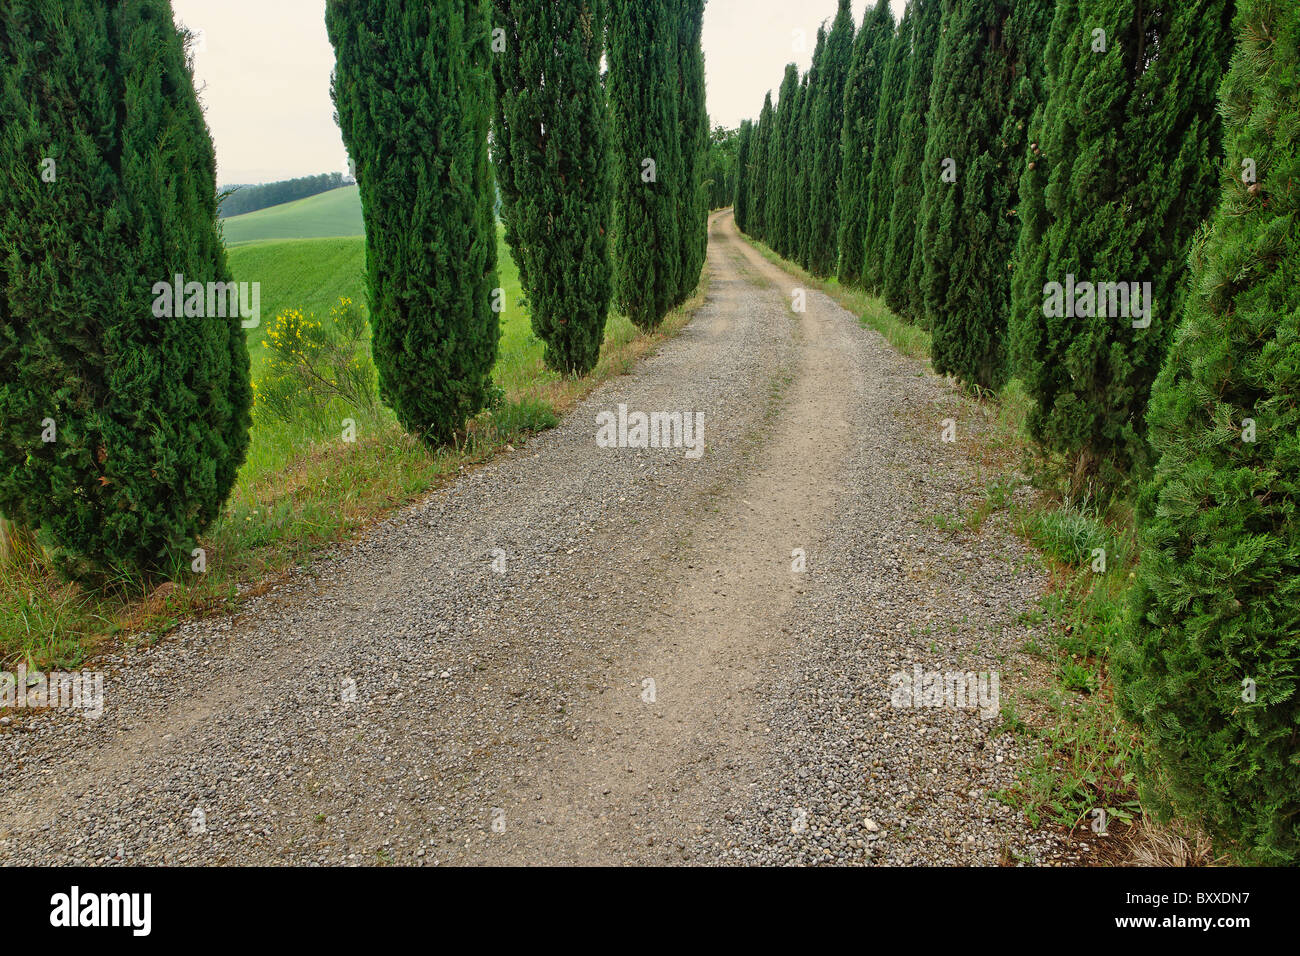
x=333 y=213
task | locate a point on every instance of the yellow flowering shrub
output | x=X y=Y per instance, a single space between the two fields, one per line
x=315 y=362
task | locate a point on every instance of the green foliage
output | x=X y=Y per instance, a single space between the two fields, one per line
x=985 y=74
x=551 y=148
x=800 y=159
x=780 y=192
x=1030 y=274
x=721 y=169
x=123 y=427
x=1131 y=139
x=418 y=137
x=861 y=107
x=893 y=90
x=760 y=169
x=901 y=289
x=693 y=122
x=742 y=201
x=1217 y=601
x=825 y=141
x=643 y=94
x=312 y=362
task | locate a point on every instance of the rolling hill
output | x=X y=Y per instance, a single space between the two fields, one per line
x=329 y=214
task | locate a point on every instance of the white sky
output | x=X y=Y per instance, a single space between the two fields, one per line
x=264 y=72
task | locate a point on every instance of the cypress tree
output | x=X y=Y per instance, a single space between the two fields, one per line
x=1212 y=666
x=861 y=105
x=778 y=159
x=413 y=91
x=1024 y=325
x=826 y=143
x=742 y=200
x=643 y=94
x=901 y=289
x=793 y=184
x=1131 y=138
x=880 y=197
x=760 y=169
x=693 y=119
x=970 y=228
x=805 y=152
x=798 y=191
x=125 y=420
x=551 y=147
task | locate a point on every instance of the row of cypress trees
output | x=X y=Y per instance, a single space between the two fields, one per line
x=969 y=148
x=998 y=157
x=123 y=430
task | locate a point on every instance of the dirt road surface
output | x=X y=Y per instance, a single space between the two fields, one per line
x=600 y=655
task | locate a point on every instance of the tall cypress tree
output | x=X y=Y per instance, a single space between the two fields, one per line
x=413 y=91
x=970 y=228
x=791 y=153
x=551 y=147
x=1117 y=112
x=880 y=196
x=826 y=142
x=778 y=205
x=743 y=195
x=125 y=419
x=900 y=288
x=643 y=94
x=1211 y=671
x=861 y=105
x=1024 y=325
x=803 y=158
x=693 y=119
x=760 y=170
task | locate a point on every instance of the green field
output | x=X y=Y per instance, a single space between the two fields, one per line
x=307 y=274
x=313 y=274
x=333 y=213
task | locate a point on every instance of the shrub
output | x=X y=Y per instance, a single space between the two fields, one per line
x=312 y=363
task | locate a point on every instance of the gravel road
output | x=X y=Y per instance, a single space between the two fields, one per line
x=650 y=680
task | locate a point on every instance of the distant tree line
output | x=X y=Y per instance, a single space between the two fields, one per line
x=241 y=199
